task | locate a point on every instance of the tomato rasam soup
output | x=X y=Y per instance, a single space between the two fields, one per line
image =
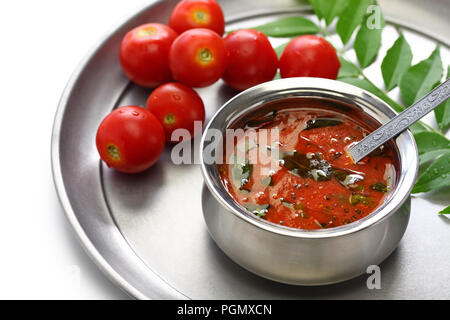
x=311 y=182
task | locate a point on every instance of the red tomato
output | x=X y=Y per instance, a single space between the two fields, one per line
x=143 y=54
x=177 y=107
x=252 y=60
x=130 y=139
x=198 y=57
x=309 y=56
x=189 y=14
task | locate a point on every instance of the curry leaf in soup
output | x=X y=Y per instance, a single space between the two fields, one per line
x=288 y=27
x=304 y=166
x=346 y=179
x=437 y=175
x=322 y=122
x=355 y=199
x=350 y=18
x=287 y=204
x=445 y=211
x=442 y=112
x=257 y=209
x=396 y=62
x=368 y=40
x=261 y=121
x=380 y=187
x=241 y=172
x=421 y=78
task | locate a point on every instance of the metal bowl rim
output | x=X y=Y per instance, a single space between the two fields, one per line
x=400 y=193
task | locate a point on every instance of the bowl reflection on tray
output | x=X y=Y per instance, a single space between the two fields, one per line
x=299 y=256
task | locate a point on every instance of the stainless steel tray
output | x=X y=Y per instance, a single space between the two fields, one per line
x=146 y=231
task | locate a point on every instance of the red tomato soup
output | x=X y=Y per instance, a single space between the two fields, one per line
x=311 y=182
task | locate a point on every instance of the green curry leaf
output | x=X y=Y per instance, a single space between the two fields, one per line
x=368 y=41
x=396 y=62
x=241 y=172
x=348 y=69
x=350 y=18
x=328 y=10
x=421 y=78
x=431 y=145
x=288 y=27
x=369 y=86
x=437 y=175
x=445 y=211
x=442 y=112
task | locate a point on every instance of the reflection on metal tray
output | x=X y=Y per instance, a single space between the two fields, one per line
x=146 y=231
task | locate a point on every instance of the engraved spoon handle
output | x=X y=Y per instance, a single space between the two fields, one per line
x=400 y=122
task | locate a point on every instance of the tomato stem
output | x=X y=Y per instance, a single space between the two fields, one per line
x=200 y=16
x=113 y=152
x=169 y=118
x=205 y=55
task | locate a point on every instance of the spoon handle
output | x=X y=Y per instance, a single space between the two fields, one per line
x=400 y=122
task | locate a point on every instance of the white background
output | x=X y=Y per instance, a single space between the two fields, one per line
x=41 y=44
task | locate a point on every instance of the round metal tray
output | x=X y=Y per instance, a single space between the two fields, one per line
x=146 y=231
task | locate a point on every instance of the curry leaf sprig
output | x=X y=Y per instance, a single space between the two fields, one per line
x=359 y=25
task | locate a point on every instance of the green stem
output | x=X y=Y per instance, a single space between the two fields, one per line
x=361 y=72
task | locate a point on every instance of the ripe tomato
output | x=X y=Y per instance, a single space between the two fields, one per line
x=130 y=139
x=176 y=106
x=189 y=14
x=252 y=60
x=309 y=56
x=198 y=57
x=143 y=54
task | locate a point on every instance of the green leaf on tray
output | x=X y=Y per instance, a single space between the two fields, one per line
x=369 y=86
x=279 y=50
x=437 y=175
x=350 y=18
x=431 y=145
x=348 y=69
x=421 y=78
x=445 y=210
x=442 y=112
x=396 y=62
x=431 y=155
x=288 y=27
x=318 y=7
x=328 y=10
x=368 y=41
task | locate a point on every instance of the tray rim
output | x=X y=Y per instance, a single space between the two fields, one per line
x=86 y=243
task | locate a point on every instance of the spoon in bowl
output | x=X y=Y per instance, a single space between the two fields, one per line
x=400 y=122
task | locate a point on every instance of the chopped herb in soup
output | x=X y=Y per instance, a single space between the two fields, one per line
x=314 y=184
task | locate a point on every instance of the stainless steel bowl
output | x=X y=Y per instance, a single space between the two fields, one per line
x=308 y=257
